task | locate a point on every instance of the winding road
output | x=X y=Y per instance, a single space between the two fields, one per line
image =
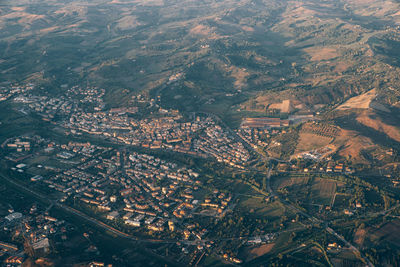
x=313 y=219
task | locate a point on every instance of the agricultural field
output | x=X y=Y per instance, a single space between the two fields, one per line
x=329 y=69
x=310 y=141
x=252 y=54
x=362 y=101
x=284 y=145
x=371 y=120
x=251 y=253
x=310 y=192
x=346 y=258
x=341 y=201
x=322 y=191
x=321 y=129
x=288 y=182
x=258 y=207
x=388 y=232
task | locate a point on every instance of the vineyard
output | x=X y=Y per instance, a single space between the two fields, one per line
x=291 y=181
x=321 y=129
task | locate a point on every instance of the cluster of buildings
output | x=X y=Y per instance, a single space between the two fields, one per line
x=137 y=189
x=140 y=191
x=54 y=108
x=82 y=110
x=263 y=239
x=74 y=180
x=217 y=201
x=257 y=137
x=325 y=167
x=151 y=188
x=223 y=146
x=11 y=91
x=257 y=131
x=201 y=137
x=48 y=107
x=337 y=167
x=264 y=122
x=91 y=96
x=20 y=148
x=316 y=154
x=18 y=145
x=36 y=229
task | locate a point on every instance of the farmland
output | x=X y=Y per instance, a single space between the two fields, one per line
x=135 y=114
x=322 y=191
x=310 y=192
x=308 y=141
x=388 y=232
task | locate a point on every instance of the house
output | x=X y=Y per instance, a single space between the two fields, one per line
x=113 y=199
x=155 y=228
x=112 y=215
x=339 y=168
x=348 y=212
x=127 y=216
x=171 y=226
x=96 y=264
x=333 y=245
x=41 y=247
x=132 y=223
x=13 y=216
x=20 y=166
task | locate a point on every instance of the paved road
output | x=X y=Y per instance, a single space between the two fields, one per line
x=268 y=189
x=95 y=221
x=82 y=215
x=292 y=207
x=246 y=144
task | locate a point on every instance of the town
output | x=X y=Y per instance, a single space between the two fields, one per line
x=175 y=180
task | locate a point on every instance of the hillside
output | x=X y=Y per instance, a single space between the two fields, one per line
x=230 y=58
x=318 y=52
